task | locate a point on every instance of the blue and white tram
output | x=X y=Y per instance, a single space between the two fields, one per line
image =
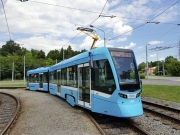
x=103 y=80
x=38 y=79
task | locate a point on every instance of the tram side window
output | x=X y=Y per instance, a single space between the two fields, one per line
x=51 y=77
x=64 y=76
x=72 y=76
x=46 y=77
x=33 y=78
x=102 y=77
x=54 y=77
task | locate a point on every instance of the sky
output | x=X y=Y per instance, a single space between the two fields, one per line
x=52 y=24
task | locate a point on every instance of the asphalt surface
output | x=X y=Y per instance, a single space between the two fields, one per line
x=161 y=80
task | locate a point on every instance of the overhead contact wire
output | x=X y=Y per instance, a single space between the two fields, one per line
x=6 y=20
x=148 y=21
x=64 y=7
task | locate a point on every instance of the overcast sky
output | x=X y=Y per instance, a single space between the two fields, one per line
x=52 y=24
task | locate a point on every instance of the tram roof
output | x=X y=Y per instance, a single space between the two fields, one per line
x=38 y=70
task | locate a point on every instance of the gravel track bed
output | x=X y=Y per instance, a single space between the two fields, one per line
x=157 y=127
x=7 y=110
x=45 y=114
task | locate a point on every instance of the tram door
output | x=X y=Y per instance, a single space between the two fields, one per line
x=84 y=93
x=58 y=82
x=27 y=80
x=40 y=81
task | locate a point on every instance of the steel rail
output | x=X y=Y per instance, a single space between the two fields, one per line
x=14 y=114
x=96 y=124
x=163 y=115
x=137 y=128
x=160 y=113
x=133 y=126
x=161 y=106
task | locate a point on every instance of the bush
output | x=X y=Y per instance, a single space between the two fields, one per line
x=142 y=76
x=140 y=72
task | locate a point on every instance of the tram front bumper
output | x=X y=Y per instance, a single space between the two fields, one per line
x=131 y=110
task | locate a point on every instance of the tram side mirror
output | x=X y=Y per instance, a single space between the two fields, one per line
x=132 y=66
x=90 y=64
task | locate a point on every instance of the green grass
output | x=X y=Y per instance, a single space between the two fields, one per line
x=12 y=85
x=170 y=93
x=9 y=83
x=9 y=80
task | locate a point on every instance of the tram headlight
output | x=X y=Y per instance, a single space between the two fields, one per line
x=122 y=95
x=137 y=95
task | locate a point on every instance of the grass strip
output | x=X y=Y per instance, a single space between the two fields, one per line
x=170 y=93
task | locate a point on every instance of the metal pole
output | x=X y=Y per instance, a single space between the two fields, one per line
x=63 y=54
x=13 y=71
x=158 y=62
x=0 y=73
x=163 y=69
x=104 y=35
x=24 y=67
x=147 y=70
x=104 y=39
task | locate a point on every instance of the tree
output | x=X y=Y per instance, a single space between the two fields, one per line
x=41 y=55
x=50 y=62
x=54 y=54
x=69 y=52
x=11 y=48
x=11 y=53
x=83 y=50
x=141 y=66
x=154 y=64
x=169 y=59
x=174 y=68
x=34 y=53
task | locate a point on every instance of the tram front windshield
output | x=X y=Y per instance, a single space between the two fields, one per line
x=126 y=70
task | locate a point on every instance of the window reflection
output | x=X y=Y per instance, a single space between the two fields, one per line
x=102 y=77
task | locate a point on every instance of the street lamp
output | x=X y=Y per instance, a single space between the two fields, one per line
x=24 y=65
x=147 y=70
x=157 y=62
x=100 y=30
x=24 y=68
x=13 y=71
x=63 y=53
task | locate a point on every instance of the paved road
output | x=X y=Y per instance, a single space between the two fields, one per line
x=161 y=80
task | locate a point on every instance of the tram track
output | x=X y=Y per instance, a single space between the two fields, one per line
x=108 y=125
x=9 y=109
x=164 y=111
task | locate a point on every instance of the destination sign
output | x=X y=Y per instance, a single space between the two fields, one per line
x=121 y=54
